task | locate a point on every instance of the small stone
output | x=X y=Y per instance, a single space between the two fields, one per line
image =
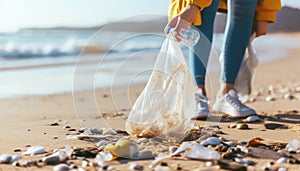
x=17 y=150
x=107 y=131
x=52 y=160
x=27 y=145
x=28 y=129
x=270 y=98
x=54 y=124
x=274 y=126
x=5 y=159
x=232 y=126
x=105 y=96
x=35 y=150
x=102 y=143
x=209 y=163
x=66 y=127
x=142 y=140
x=61 y=167
x=244 y=161
x=55 y=137
x=135 y=166
x=282 y=160
x=253 y=118
x=288 y=96
x=72 y=129
x=242 y=126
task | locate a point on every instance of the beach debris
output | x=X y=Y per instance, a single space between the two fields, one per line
x=135 y=166
x=89 y=152
x=256 y=142
x=124 y=149
x=293 y=146
x=244 y=161
x=243 y=148
x=102 y=157
x=147 y=154
x=5 y=159
x=110 y=131
x=211 y=141
x=242 y=126
x=35 y=150
x=288 y=96
x=59 y=156
x=102 y=143
x=61 y=167
x=17 y=150
x=282 y=160
x=142 y=140
x=270 y=98
x=199 y=152
x=54 y=124
x=274 y=126
x=172 y=149
x=225 y=164
x=252 y=118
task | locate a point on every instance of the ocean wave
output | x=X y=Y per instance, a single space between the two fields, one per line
x=12 y=49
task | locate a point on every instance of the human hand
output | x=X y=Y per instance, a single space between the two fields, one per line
x=261 y=28
x=182 y=20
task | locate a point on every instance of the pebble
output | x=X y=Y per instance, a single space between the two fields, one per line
x=252 y=118
x=107 y=131
x=211 y=141
x=35 y=150
x=5 y=159
x=244 y=161
x=282 y=160
x=54 y=124
x=51 y=160
x=288 y=96
x=72 y=129
x=102 y=143
x=232 y=126
x=17 y=150
x=142 y=140
x=243 y=148
x=282 y=169
x=208 y=164
x=135 y=166
x=242 y=126
x=61 y=167
x=66 y=127
x=270 y=98
x=14 y=158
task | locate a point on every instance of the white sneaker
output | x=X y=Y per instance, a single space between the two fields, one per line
x=231 y=105
x=202 y=110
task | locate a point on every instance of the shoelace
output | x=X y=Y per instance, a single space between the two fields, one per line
x=235 y=102
x=201 y=101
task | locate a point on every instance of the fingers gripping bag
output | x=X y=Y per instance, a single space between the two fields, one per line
x=165 y=106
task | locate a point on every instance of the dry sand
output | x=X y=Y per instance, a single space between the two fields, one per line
x=26 y=120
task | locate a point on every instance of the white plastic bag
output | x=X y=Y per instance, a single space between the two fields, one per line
x=246 y=73
x=167 y=103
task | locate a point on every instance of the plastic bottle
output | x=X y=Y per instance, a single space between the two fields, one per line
x=188 y=36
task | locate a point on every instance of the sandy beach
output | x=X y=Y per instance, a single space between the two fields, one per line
x=27 y=121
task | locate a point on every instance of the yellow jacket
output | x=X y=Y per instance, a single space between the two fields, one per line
x=265 y=10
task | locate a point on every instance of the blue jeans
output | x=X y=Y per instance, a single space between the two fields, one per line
x=238 y=30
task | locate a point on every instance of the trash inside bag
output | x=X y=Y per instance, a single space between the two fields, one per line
x=246 y=73
x=167 y=102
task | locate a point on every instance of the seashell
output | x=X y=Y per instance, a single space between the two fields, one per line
x=200 y=152
x=288 y=96
x=244 y=161
x=252 y=118
x=111 y=131
x=34 y=150
x=282 y=160
x=242 y=126
x=102 y=143
x=142 y=140
x=135 y=166
x=211 y=141
x=243 y=148
x=270 y=98
x=5 y=159
x=293 y=146
x=61 y=167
